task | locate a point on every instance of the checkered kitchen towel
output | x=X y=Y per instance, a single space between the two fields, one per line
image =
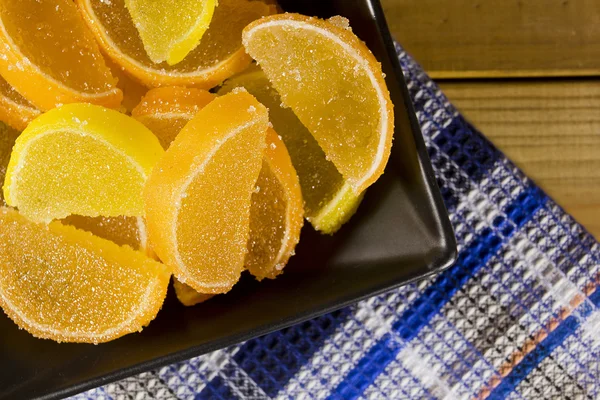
x=517 y=317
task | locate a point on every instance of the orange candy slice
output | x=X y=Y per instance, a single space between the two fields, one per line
x=15 y=110
x=133 y=91
x=51 y=57
x=218 y=56
x=334 y=84
x=276 y=214
x=165 y=111
x=61 y=283
x=129 y=231
x=199 y=194
x=188 y=296
x=329 y=200
x=276 y=219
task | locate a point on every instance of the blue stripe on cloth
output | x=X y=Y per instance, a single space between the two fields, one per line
x=470 y=260
x=272 y=360
x=566 y=328
x=367 y=369
x=470 y=152
x=216 y=389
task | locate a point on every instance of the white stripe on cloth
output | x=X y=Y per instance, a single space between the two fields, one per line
x=145 y=386
x=239 y=383
x=188 y=378
x=559 y=289
x=347 y=345
x=96 y=394
x=410 y=375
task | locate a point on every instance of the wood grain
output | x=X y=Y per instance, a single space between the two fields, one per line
x=499 y=38
x=551 y=129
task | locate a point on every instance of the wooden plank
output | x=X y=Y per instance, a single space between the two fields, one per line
x=551 y=129
x=499 y=38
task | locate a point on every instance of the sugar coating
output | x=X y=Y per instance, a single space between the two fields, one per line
x=276 y=214
x=170 y=30
x=120 y=230
x=340 y=22
x=164 y=127
x=333 y=84
x=173 y=100
x=11 y=94
x=133 y=91
x=68 y=285
x=52 y=36
x=88 y=182
x=219 y=43
x=81 y=159
x=8 y=136
x=15 y=110
x=188 y=296
x=267 y=223
x=198 y=196
x=165 y=111
x=276 y=218
x=319 y=178
x=213 y=221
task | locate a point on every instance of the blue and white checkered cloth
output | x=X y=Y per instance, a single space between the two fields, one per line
x=517 y=317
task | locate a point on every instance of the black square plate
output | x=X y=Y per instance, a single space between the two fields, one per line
x=401 y=233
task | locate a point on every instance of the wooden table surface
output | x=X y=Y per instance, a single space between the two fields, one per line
x=527 y=74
